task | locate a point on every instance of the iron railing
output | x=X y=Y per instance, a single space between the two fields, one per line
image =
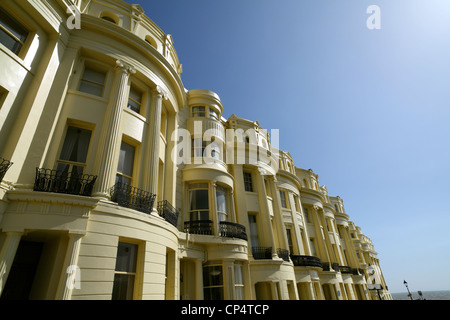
x=345 y=269
x=262 y=253
x=168 y=212
x=232 y=230
x=4 y=166
x=48 y=180
x=306 y=261
x=198 y=227
x=328 y=267
x=131 y=197
x=283 y=254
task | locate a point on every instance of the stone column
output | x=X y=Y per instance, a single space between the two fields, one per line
x=109 y=137
x=150 y=180
x=265 y=214
x=278 y=215
x=70 y=279
x=7 y=255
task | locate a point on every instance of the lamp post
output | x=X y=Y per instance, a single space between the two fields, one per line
x=409 y=293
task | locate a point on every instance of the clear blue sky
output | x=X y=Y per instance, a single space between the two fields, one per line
x=367 y=110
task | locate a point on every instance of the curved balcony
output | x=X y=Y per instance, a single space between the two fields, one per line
x=226 y=229
x=345 y=269
x=283 y=254
x=48 y=180
x=306 y=261
x=134 y=198
x=232 y=230
x=168 y=212
x=260 y=253
x=199 y=227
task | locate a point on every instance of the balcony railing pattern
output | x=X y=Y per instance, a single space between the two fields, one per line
x=345 y=269
x=57 y=181
x=198 y=227
x=168 y=212
x=4 y=166
x=262 y=253
x=306 y=261
x=131 y=197
x=283 y=254
x=327 y=267
x=232 y=230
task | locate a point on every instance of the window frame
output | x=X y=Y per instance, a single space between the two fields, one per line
x=198 y=212
x=74 y=163
x=284 y=199
x=134 y=274
x=98 y=69
x=139 y=103
x=248 y=182
x=133 y=163
x=23 y=44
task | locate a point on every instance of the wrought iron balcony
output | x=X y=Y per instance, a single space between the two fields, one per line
x=57 y=181
x=198 y=227
x=168 y=212
x=306 y=261
x=283 y=254
x=262 y=253
x=131 y=197
x=232 y=230
x=333 y=267
x=345 y=269
x=4 y=166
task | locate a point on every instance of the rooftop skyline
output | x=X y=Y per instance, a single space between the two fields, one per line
x=366 y=109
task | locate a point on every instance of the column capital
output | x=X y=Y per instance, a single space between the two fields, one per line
x=158 y=91
x=124 y=67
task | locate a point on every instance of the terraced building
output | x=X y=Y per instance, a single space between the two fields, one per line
x=119 y=183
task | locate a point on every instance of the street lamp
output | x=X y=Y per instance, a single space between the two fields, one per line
x=409 y=293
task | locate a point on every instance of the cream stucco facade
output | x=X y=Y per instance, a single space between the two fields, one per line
x=119 y=183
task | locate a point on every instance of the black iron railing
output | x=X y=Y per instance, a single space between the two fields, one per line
x=4 y=166
x=131 y=197
x=345 y=269
x=306 y=261
x=198 y=227
x=283 y=254
x=262 y=252
x=329 y=267
x=232 y=230
x=48 y=180
x=168 y=212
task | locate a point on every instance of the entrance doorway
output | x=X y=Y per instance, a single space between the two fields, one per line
x=23 y=270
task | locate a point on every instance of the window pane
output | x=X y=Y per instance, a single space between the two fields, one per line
x=10 y=42
x=19 y=33
x=212 y=276
x=91 y=88
x=76 y=145
x=94 y=75
x=126 y=159
x=213 y=293
x=123 y=287
x=126 y=257
x=221 y=201
x=135 y=99
x=199 y=199
x=248 y=182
